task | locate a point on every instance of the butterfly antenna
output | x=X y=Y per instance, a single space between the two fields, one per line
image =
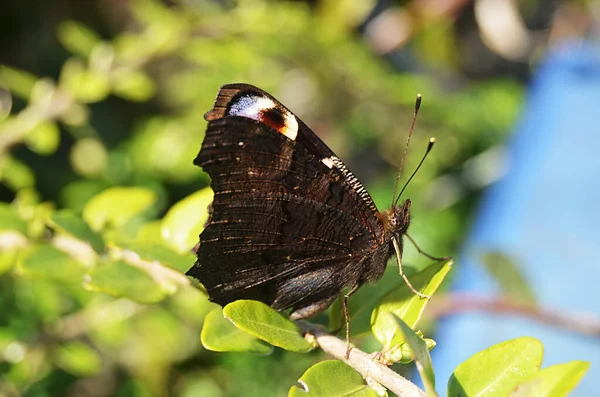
x=412 y=127
x=429 y=147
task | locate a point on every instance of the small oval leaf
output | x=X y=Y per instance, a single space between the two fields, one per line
x=184 y=221
x=120 y=279
x=77 y=38
x=48 y=262
x=78 y=359
x=220 y=335
x=496 y=371
x=115 y=206
x=10 y=219
x=555 y=381
x=260 y=320
x=406 y=305
x=331 y=378
x=44 y=138
x=67 y=222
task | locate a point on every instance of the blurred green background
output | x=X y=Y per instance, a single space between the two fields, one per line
x=101 y=105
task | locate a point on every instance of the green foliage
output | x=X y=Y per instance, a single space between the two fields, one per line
x=261 y=321
x=557 y=380
x=101 y=216
x=331 y=378
x=404 y=304
x=420 y=353
x=219 y=334
x=512 y=366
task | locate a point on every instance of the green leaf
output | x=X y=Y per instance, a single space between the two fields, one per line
x=497 y=370
x=43 y=138
x=8 y=257
x=362 y=303
x=420 y=353
x=78 y=359
x=331 y=378
x=16 y=174
x=508 y=275
x=77 y=38
x=406 y=305
x=19 y=82
x=120 y=279
x=10 y=219
x=260 y=320
x=154 y=252
x=67 y=222
x=133 y=85
x=185 y=220
x=89 y=157
x=48 y=262
x=555 y=381
x=115 y=206
x=220 y=335
x=85 y=85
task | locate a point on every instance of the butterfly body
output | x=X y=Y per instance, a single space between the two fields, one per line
x=290 y=225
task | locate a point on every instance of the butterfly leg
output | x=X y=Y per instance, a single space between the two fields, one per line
x=420 y=251
x=347 y=319
x=399 y=258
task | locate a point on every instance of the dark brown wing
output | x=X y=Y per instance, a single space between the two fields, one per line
x=290 y=225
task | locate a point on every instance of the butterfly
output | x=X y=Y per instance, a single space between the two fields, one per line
x=290 y=224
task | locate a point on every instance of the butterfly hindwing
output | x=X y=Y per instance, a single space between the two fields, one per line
x=281 y=214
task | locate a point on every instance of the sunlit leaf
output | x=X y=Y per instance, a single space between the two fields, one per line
x=133 y=85
x=77 y=38
x=43 y=138
x=88 y=157
x=260 y=320
x=118 y=278
x=67 y=222
x=115 y=206
x=331 y=378
x=406 y=305
x=420 y=354
x=48 y=262
x=363 y=301
x=10 y=219
x=496 y=371
x=16 y=174
x=184 y=221
x=167 y=257
x=8 y=257
x=85 y=85
x=219 y=334
x=150 y=233
x=555 y=381
x=19 y=82
x=78 y=359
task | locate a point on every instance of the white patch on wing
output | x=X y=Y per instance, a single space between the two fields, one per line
x=251 y=106
x=291 y=125
x=328 y=161
x=258 y=107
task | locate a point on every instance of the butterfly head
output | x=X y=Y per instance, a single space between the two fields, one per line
x=398 y=220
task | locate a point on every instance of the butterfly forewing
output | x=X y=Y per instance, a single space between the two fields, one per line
x=290 y=225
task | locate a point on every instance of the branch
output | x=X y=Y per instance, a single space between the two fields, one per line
x=363 y=363
x=468 y=302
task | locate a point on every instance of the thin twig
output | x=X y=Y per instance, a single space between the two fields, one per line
x=454 y=303
x=363 y=363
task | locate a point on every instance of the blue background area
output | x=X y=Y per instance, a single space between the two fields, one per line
x=545 y=213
